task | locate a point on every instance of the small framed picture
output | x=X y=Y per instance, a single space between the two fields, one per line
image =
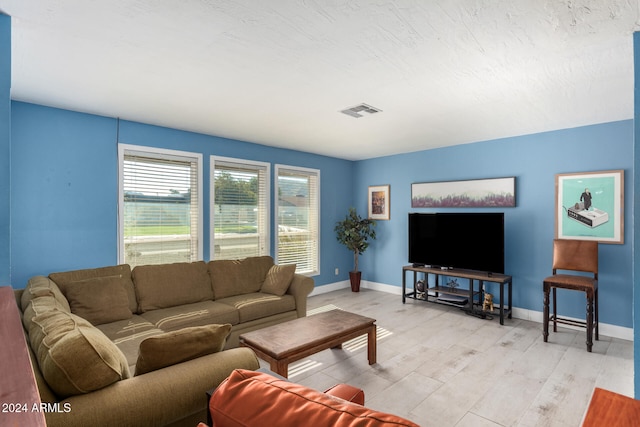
x=379 y=202
x=590 y=206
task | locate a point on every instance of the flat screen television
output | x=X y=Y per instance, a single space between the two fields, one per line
x=470 y=241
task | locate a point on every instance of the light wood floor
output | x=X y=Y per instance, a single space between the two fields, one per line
x=438 y=366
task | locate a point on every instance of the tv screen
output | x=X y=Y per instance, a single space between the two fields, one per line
x=471 y=241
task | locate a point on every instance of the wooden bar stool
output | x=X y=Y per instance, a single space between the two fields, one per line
x=580 y=256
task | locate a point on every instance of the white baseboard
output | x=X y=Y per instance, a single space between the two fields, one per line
x=317 y=290
x=606 y=329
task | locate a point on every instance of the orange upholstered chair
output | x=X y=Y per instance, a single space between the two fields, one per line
x=251 y=398
x=576 y=256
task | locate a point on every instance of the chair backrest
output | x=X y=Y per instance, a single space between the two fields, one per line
x=576 y=255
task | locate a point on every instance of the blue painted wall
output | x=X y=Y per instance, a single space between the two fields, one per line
x=63 y=191
x=636 y=219
x=65 y=180
x=529 y=228
x=64 y=197
x=5 y=147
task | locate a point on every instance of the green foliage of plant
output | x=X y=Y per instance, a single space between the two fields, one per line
x=231 y=190
x=354 y=232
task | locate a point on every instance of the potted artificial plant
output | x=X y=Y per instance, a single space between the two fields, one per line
x=354 y=232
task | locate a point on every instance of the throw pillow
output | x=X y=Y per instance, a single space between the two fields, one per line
x=99 y=300
x=122 y=270
x=278 y=279
x=179 y=346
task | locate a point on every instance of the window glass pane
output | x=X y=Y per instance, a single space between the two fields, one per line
x=159 y=209
x=298 y=214
x=240 y=209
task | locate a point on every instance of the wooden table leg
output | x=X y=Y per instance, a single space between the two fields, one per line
x=372 y=345
x=279 y=367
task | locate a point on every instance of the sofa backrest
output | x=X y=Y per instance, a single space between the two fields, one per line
x=248 y=398
x=238 y=277
x=170 y=285
x=121 y=272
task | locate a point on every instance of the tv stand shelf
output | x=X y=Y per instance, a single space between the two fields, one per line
x=474 y=297
x=447 y=290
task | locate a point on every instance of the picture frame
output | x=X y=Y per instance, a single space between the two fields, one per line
x=474 y=193
x=590 y=206
x=379 y=202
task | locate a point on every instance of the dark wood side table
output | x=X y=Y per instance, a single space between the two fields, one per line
x=612 y=410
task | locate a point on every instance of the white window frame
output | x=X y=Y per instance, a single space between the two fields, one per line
x=250 y=164
x=159 y=153
x=304 y=171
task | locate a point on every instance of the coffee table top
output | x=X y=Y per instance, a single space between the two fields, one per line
x=304 y=332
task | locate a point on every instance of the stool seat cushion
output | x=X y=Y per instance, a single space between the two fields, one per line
x=571 y=281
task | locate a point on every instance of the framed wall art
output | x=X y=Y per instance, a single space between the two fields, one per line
x=590 y=206
x=379 y=202
x=475 y=193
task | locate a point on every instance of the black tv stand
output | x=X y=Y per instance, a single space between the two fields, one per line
x=474 y=298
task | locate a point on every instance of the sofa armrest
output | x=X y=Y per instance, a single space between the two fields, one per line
x=347 y=392
x=156 y=398
x=300 y=287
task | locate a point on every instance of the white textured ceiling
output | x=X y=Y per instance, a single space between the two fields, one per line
x=278 y=72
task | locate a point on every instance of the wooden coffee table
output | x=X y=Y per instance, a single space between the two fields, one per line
x=290 y=341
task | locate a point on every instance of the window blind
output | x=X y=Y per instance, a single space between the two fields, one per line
x=160 y=218
x=240 y=211
x=298 y=218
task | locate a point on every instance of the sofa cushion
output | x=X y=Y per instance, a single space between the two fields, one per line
x=237 y=277
x=197 y=314
x=99 y=300
x=170 y=285
x=247 y=396
x=179 y=346
x=278 y=279
x=74 y=357
x=41 y=305
x=123 y=270
x=259 y=305
x=40 y=295
x=128 y=334
x=39 y=286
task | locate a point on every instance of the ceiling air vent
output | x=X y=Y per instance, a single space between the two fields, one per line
x=358 y=110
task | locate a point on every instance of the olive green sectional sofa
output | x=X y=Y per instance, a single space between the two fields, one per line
x=141 y=346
